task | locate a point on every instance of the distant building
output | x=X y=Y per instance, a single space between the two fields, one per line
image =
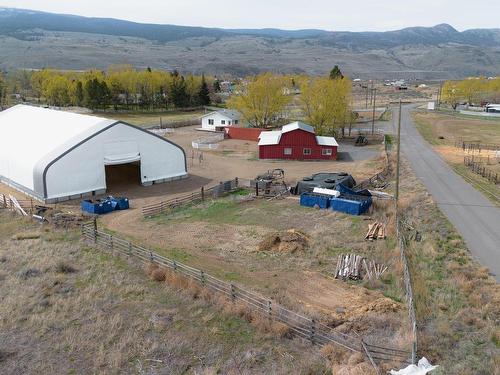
x=218 y=120
x=296 y=141
x=493 y=108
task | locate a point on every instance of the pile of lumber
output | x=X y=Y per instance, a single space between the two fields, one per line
x=348 y=267
x=373 y=270
x=375 y=231
x=356 y=267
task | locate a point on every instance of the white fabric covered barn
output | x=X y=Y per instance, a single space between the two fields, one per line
x=55 y=155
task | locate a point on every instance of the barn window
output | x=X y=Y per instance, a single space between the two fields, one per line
x=307 y=151
x=223 y=122
x=235 y=122
x=287 y=151
x=326 y=151
x=210 y=121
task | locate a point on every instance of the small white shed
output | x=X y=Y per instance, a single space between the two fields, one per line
x=218 y=120
x=55 y=155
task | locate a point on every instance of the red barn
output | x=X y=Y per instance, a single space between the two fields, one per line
x=296 y=141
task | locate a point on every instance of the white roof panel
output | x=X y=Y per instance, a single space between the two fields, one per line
x=31 y=133
x=228 y=113
x=326 y=141
x=297 y=125
x=269 y=138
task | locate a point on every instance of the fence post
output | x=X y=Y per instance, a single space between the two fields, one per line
x=202 y=277
x=256 y=188
x=233 y=292
x=312 y=331
x=175 y=265
x=202 y=193
x=151 y=256
x=111 y=242
x=95 y=230
x=236 y=182
x=269 y=309
x=130 y=249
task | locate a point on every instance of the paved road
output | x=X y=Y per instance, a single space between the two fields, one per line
x=472 y=214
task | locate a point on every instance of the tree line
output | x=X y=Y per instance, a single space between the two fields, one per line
x=474 y=90
x=118 y=87
x=324 y=102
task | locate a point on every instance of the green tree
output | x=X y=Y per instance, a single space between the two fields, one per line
x=261 y=99
x=57 y=91
x=204 y=93
x=3 y=91
x=326 y=103
x=79 y=95
x=335 y=73
x=216 y=86
x=178 y=93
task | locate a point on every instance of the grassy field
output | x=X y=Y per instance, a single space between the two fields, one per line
x=457 y=301
x=70 y=309
x=146 y=119
x=442 y=131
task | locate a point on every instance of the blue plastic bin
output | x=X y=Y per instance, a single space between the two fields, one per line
x=119 y=203
x=98 y=207
x=352 y=204
x=313 y=199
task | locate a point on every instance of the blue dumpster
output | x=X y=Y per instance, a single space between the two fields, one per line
x=313 y=199
x=351 y=204
x=98 y=207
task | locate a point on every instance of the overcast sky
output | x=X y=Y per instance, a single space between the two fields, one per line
x=358 y=15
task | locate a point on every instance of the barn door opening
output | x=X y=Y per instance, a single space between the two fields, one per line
x=121 y=177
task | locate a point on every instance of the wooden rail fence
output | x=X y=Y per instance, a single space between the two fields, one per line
x=481 y=169
x=475 y=146
x=23 y=206
x=300 y=325
x=198 y=196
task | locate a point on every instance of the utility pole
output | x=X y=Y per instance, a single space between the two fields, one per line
x=366 y=99
x=373 y=112
x=396 y=196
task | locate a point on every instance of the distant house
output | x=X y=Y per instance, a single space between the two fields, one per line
x=296 y=141
x=218 y=120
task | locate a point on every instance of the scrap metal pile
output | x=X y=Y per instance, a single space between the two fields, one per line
x=272 y=184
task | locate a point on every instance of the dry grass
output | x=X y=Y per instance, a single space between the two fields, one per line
x=109 y=318
x=26 y=236
x=456 y=300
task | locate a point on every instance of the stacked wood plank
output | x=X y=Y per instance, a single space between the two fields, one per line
x=355 y=267
x=348 y=267
x=375 y=231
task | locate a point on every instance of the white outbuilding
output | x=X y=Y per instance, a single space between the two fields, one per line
x=218 y=120
x=54 y=155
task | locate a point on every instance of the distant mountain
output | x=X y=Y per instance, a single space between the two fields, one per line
x=32 y=39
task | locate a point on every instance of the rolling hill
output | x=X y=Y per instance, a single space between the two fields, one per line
x=32 y=39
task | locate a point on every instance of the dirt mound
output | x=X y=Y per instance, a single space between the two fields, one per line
x=289 y=241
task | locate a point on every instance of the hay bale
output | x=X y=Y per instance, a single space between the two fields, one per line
x=290 y=241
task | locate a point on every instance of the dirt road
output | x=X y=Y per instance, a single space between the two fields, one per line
x=472 y=214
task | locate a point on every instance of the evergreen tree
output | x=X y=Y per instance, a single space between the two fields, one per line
x=204 y=93
x=178 y=92
x=335 y=73
x=217 y=87
x=79 y=96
